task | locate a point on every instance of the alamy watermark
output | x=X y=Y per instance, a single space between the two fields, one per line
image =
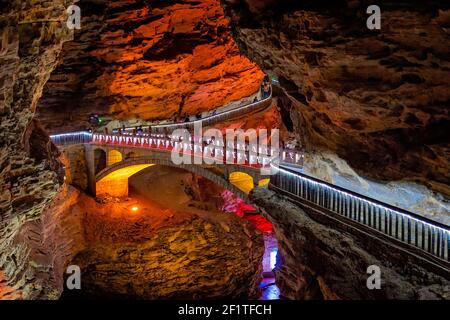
x=236 y=146
x=73 y=281
x=74 y=18
x=374 y=280
x=374 y=20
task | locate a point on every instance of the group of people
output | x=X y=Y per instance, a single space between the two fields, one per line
x=265 y=89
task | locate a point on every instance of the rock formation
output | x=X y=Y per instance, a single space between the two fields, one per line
x=148 y=60
x=377 y=98
x=322 y=259
x=31 y=34
x=160 y=253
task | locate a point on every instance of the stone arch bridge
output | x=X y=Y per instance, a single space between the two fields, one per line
x=112 y=159
x=110 y=166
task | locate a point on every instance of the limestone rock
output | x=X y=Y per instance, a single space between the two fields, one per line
x=75 y=166
x=163 y=254
x=31 y=33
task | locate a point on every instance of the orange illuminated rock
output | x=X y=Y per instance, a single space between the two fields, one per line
x=7 y=292
x=379 y=99
x=154 y=61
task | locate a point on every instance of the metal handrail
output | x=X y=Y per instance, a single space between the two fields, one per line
x=255 y=156
x=206 y=121
x=78 y=137
x=412 y=229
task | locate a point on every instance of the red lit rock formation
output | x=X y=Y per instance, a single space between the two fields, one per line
x=7 y=292
x=148 y=60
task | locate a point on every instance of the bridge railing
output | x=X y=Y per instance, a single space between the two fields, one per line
x=419 y=232
x=64 y=139
x=232 y=153
x=290 y=156
x=212 y=119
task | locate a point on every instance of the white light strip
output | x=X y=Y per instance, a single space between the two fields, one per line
x=70 y=134
x=361 y=199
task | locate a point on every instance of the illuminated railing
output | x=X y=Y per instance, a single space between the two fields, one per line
x=411 y=229
x=232 y=153
x=419 y=232
x=79 y=137
x=209 y=120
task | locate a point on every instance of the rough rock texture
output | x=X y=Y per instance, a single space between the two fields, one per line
x=159 y=253
x=31 y=36
x=379 y=99
x=154 y=253
x=7 y=292
x=407 y=195
x=148 y=60
x=203 y=191
x=324 y=260
x=170 y=255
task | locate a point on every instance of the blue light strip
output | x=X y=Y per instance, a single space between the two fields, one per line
x=77 y=133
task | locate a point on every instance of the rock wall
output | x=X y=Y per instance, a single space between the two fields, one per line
x=152 y=253
x=324 y=259
x=155 y=253
x=166 y=254
x=31 y=34
x=378 y=99
x=149 y=60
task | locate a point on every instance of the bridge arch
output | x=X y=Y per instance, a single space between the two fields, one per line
x=242 y=181
x=114 y=156
x=100 y=162
x=113 y=180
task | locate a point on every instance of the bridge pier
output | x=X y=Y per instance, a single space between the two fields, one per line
x=90 y=165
